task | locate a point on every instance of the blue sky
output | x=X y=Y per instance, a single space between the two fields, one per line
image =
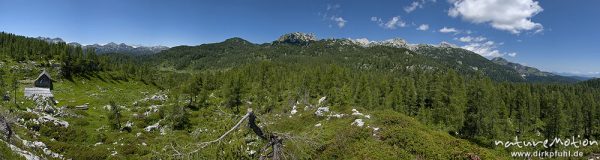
x=552 y=35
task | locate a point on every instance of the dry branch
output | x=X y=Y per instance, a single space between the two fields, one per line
x=275 y=140
x=204 y=144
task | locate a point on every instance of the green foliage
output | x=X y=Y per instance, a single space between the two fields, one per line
x=114 y=116
x=179 y=118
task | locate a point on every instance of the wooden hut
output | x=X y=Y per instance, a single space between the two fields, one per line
x=44 y=81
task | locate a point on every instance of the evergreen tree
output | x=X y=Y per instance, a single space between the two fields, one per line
x=114 y=116
x=179 y=118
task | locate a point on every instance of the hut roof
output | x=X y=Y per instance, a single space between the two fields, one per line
x=44 y=73
x=44 y=92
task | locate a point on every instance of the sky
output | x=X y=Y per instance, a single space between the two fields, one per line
x=552 y=35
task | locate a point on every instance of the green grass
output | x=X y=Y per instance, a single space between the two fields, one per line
x=7 y=154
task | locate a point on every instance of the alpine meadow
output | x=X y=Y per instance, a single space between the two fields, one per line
x=257 y=80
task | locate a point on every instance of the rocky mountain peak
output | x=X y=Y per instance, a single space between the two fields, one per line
x=500 y=60
x=51 y=40
x=395 y=42
x=297 y=38
x=447 y=45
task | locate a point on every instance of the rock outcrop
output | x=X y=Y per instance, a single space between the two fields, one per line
x=296 y=38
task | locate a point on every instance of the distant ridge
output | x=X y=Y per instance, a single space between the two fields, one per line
x=111 y=47
x=534 y=74
x=123 y=48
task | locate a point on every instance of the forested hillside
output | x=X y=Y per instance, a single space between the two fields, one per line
x=593 y=83
x=325 y=99
x=236 y=51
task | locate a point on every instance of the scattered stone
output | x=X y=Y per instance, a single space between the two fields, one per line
x=152 y=109
x=82 y=107
x=56 y=121
x=35 y=144
x=356 y=113
x=321 y=111
x=322 y=100
x=107 y=107
x=153 y=127
x=337 y=115
x=157 y=97
x=128 y=126
x=294 y=111
x=318 y=125
x=42 y=146
x=358 y=122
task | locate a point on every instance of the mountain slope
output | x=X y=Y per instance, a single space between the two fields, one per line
x=592 y=83
x=534 y=74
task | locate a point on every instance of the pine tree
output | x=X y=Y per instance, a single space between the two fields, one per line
x=233 y=94
x=455 y=100
x=114 y=116
x=179 y=118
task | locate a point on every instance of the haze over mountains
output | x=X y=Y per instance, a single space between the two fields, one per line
x=113 y=47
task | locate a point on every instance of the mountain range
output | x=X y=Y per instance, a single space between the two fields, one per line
x=112 y=47
x=393 y=54
x=443 y=55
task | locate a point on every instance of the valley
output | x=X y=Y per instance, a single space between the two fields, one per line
x=319 y=99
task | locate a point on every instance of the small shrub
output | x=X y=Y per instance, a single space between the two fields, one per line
x=81 y=122
x=114 y=116
x=179 y=118
x=28 y=116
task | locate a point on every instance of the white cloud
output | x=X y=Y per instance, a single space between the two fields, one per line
x=393 y=23
x=375 y=19
x=467 y=39
x=487 y=49
x=413 y=6
x=509 y=15
x=448 y=30
x=416 y=4
x=333 y=6
x=331 y=14
x=423 y=27
x=340 y=21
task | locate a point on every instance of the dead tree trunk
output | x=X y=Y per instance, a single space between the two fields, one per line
x=275 y=142
x=253 y=126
